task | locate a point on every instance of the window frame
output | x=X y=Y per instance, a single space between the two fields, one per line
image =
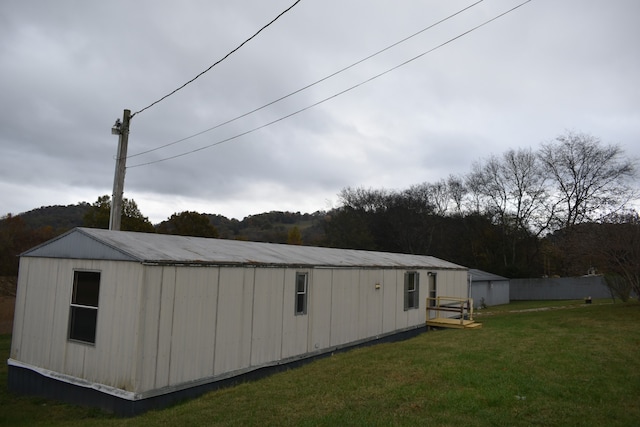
x=411 y=296
x=85 y=310
x=301 y=296
x=433 y=289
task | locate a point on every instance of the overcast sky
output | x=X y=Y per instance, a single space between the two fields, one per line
x=69 y=68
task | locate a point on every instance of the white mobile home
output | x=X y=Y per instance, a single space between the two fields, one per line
x=131 y=321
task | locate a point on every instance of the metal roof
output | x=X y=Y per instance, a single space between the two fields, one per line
x=91 y=243
x=483 y=276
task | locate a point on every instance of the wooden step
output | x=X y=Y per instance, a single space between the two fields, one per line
x=453 y=323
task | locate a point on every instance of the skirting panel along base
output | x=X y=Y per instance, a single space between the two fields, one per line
x=30 y=382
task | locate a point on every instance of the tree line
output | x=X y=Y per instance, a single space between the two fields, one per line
x=562 y=209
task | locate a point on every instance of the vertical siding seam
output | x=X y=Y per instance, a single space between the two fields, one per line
x=331 y=305
x=52 y=335
x=359 y=297
x=283 y=286
x=66 y=313
x=381 y=299
x=380 y=281
x=215 y=322
x=136 y=364
x=361 y=330
x=385 y=296
x=331 y=311
x=159 y=324
x=253 y=310
x=309 y=346
x=173 y=312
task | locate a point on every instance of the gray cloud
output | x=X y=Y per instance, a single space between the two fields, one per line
x=69 y=69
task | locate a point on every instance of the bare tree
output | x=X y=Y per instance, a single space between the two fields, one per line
x=611 y=247
x=434 y=196
x=491 y=188
x=457 y=191
x=589 y=180
x=526 y=190
x=474 y=184
x=366 y=200
x=619 y=243
x=512 y=188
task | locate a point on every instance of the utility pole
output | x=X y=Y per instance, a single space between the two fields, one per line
x=122 y=130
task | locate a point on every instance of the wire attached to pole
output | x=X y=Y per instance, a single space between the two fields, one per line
x=335 y=73
x=218 y=61
x=335 y=95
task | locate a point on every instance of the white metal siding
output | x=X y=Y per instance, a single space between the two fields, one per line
x=255 y=321
x=266 y=338
x=345 y=304
x=164 y=326
x=167 y=298
x=149 y=331
x=452 y=283
x=458 y=283
x=370 y=313
x=390 y=305
x=235 y=314
x=194 y=316
x=36 y=299
x=295 y=328
x=320 y=309
x=42 y=328
x=113 y=358
x=490 y=292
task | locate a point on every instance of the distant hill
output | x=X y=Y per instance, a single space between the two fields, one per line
x=271 y=227
x=57 y=217
x=29 y=229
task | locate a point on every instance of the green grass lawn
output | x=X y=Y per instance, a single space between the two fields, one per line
x=564 y=363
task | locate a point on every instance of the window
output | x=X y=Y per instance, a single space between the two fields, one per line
x=302 y=289
x=411 y=287
x=432 y=289
x=432 y=301
x=83 y=314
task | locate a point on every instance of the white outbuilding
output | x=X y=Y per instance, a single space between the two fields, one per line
x=488 y=289
x=131 y=321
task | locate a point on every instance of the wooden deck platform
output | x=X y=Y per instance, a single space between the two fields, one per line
x=463 y=307
x=443 y=322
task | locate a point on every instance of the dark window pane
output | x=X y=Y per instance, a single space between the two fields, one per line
x=83 y=324
x=301 y=293
x=301 y=283
x=83 y=320
x=411 y=300
x=86 y=287
x=411 y=290
x=300 y=306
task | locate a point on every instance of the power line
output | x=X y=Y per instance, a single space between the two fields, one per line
x=220 y=60
x=307 y=86
x=336 y=94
